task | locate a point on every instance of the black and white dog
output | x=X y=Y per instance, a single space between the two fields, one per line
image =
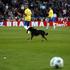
x=35 y=32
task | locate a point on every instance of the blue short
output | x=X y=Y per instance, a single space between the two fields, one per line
x=26 y=23
x=53 y=19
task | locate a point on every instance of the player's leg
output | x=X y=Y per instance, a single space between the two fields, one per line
x=48 y=24
x=28 y=25
x=54 y=24
x=25 y=25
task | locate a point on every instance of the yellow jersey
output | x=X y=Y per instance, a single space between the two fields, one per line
x=50 y=13
x=28 y=14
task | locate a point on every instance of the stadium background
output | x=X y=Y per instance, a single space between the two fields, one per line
x=10 y=9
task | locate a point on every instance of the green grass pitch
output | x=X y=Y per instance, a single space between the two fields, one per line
x=23 y=54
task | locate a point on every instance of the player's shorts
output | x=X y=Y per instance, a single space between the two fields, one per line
x=53 y=19
x=26 y=23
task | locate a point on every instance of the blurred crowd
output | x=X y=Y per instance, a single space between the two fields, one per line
x=11 y=9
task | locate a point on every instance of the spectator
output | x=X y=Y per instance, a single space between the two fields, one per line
x=38 y=7
x=2 y=7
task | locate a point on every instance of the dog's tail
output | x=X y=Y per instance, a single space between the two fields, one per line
x=46 y=34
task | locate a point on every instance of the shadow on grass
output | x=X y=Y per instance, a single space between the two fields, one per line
x=50 y=69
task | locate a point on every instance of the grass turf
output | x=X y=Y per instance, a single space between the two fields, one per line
x=23 y=54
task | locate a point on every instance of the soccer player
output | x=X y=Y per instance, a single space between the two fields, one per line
x=51 y=18
x=27 y=17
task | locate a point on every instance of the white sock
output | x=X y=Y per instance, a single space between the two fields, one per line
x=47 y=26
x=54 y=25
x=26 y=27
